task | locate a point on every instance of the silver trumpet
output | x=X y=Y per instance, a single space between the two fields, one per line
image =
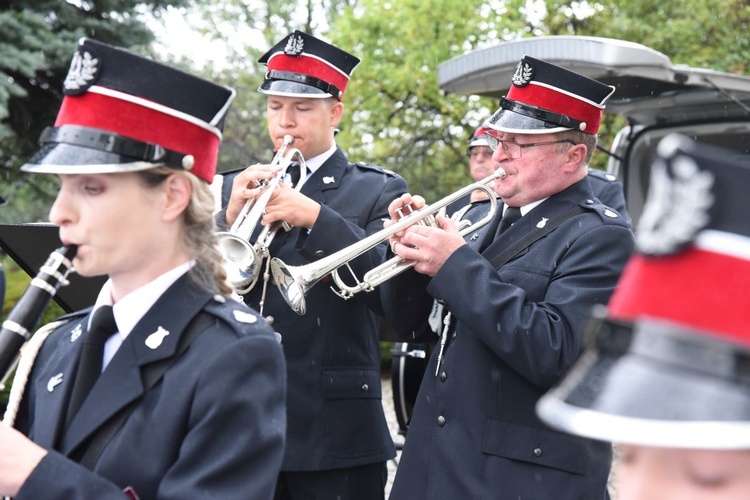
x=294 y=282
x=241 y=259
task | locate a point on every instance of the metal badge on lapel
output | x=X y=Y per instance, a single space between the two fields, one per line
x=155 y=339
x=542 y=222
x=54 y=381
x=328 y=179
x=76 y=332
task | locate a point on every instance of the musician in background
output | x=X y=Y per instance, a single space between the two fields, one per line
x=188 y=394
x=480 y=166
x=517 y=294
x=665 y=375
x=338 y=441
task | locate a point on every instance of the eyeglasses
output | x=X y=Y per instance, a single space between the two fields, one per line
x=513 y=149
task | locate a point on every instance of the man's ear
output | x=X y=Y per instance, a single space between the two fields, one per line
x=576 y=157
x=337 y=111
x=177 y=192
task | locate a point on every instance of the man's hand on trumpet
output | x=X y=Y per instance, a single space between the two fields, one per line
x=247 y=186
x=427 y=246
x=290 y=206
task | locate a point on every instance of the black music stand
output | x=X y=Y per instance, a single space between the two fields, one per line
x=29 y=245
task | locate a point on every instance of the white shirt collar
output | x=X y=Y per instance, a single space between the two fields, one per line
x=526 y=208
x=129 y=310
x=315 y=162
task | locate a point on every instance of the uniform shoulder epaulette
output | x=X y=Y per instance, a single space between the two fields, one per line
x=74 y=315
x=606 y=213
x=601 y=174
x=235 y=313
x=376 y=168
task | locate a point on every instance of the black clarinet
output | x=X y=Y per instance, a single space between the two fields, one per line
x=19 y=327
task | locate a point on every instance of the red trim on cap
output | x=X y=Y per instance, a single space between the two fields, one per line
x=144 y=124
x=704 y=290
x=310 y=66
x=558 y=102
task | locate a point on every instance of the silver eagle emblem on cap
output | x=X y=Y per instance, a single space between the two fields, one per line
x=676 y=208
x=294 y=46
x=523 y=75
x=82 y=72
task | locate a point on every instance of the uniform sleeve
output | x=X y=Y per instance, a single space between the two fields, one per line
x=533 y=319
x=333 y=231
x=232 y=447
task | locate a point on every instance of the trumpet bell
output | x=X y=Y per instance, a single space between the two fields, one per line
x=240 y=260
x=292 y=286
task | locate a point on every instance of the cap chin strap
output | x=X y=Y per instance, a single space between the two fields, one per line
x=113 y=143
x=541 y=114
x=306 y=80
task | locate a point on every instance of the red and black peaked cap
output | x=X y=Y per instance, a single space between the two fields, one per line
x=545 y=98
x=122 y=112
x=670 y=361
x=479 y=138
x=301 y=65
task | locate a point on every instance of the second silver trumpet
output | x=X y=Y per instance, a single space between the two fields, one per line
x=242 y=259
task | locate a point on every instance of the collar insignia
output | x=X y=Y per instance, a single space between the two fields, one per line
x=54 y=381
x=328 y=179
x=76 y=332
x=155 y=339
x=542 y=222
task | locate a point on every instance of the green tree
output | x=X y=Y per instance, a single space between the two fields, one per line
x=37 y=38
x=398 y=117
x=246 y=138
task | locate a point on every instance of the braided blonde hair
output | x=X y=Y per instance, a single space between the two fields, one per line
x=199 y=231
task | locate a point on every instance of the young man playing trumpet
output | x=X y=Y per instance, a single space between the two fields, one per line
x=337 y=440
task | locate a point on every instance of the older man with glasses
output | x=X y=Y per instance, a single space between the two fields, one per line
x=516 y=294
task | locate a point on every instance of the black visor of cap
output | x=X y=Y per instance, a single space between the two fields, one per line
x=656 y=371
x=291 y=88
x=68 y=154
x=518 y=116
x=75 y=145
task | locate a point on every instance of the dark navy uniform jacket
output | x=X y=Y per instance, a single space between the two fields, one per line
x=213 y=427
x=474 y=433
x=334 y=407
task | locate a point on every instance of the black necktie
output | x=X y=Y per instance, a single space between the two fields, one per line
x=294 y=172
x=103 y=326
x=511 y=215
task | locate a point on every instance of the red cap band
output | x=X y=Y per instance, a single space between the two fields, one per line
x=146 y=124
x=310 y=66
x=560 y=103
x=688 y=288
